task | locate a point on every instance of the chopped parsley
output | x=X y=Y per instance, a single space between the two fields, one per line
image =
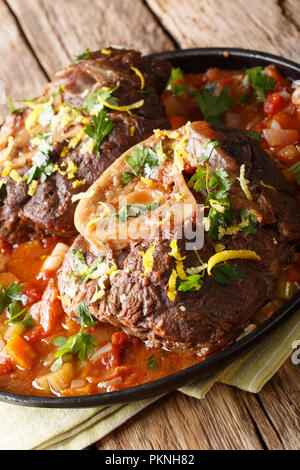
x=84 y=316
x=92 y=102
x=251 y=220
x=12 y=300
x=143 y=160
x=126 y=177
x=152 y=364
x=259 y=80
x=225 y=273
x=81 y=344
x=101 y=128
x=213 y=107
x=295 y=170
x=254 y=135
x=42 y=166
x=88 y=272
x=173 y=85
x=207 y=149
x=84 y=56
x=192 y=283
x=135 y=210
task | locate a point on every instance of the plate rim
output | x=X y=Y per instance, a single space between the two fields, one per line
x=208 y=366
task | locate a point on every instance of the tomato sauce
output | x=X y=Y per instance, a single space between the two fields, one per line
x=120 y=361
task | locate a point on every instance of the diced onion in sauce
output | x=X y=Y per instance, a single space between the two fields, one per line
x=276 y=137
x=100 y=352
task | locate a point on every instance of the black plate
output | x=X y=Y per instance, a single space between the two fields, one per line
x=191 y=60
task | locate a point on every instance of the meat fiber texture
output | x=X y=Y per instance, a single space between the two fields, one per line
x=50 y=210
x=206 y=320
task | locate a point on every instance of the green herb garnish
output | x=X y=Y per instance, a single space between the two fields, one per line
x=151 y=363
x=92 y=103
x=207 y=149
x=126 y=177
x=213 y=107
x=176 y=88
x=81 y=344
x=42 y=166
x=12 y=300
x=84 y=316
x=101 y=128
x=295 y=170
x=135 y=210
x=143 y=161
x=254 y=135
x=226 y=273
x=84 y=56
x=192 y=283
x=258 y=78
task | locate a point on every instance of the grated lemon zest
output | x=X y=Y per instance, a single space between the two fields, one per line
x=175 y=252
x=127 y=108
x=33 y=187
x=172 y=286
x=148 y=259
x=78 y=183
x=6 y=170
x=244 y=183
x=180 y=270
x=230 y=254
x=140 y=75
x=14 y=175
x=267 y=186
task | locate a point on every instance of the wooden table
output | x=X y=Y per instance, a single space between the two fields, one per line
x=37 y=37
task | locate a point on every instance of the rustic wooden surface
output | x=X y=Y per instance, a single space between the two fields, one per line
x=37 y=37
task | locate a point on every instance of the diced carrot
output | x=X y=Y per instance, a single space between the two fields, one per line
x=6 y=364
x=32 y=293
x=20 y=351
x=273 y=72
x=292 y=274
x=50 y=309
x=273 y=104
x=35 y=334
x=120 y=338
x=177 y=121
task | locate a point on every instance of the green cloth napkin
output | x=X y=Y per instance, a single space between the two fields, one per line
x=32 y=428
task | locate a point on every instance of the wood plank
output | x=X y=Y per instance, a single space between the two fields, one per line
x=280 y=401
x=253 y=25
x=179 y=422
x=20 y=72
x=58 y=31
x=292 y=11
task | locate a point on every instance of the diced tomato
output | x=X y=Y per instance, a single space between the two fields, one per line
x=177 y=121
x=44 y=277
x=6 y=364
x=293 y=273
x=189 y=169
x=5 y=248
x=273 y=104
x=51 y=308
x=273 y=72
x=120 y=338
x=35 y=334
x=32 y=293
x=225 y=81
x=112 y=359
